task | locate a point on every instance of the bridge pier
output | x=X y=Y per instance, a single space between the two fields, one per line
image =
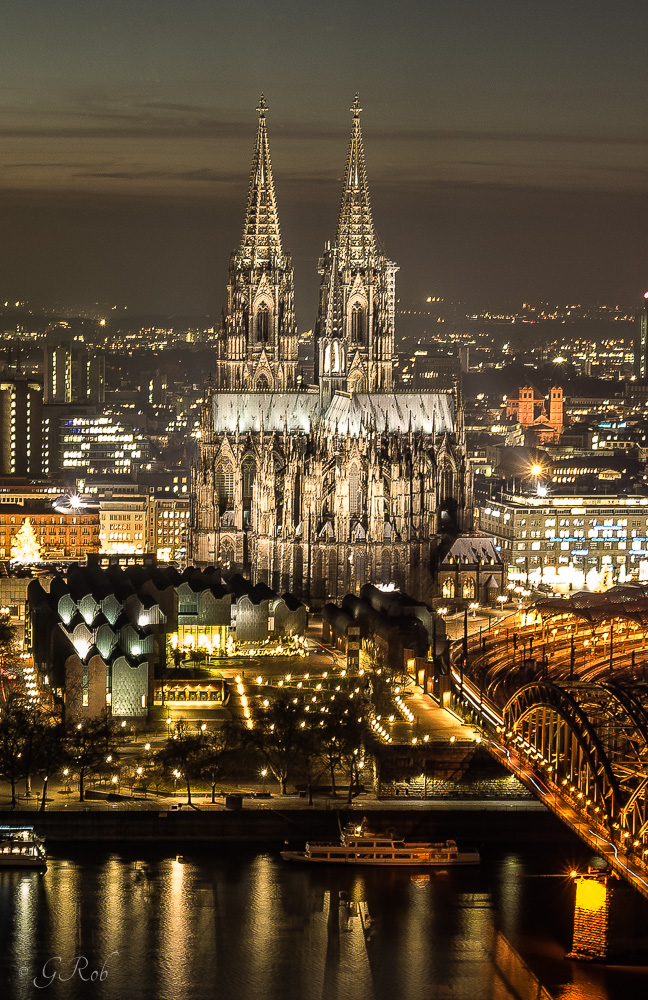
x=610 y=918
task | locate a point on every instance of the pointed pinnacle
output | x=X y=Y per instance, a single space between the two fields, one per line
x=355 y=107
x=263 y=107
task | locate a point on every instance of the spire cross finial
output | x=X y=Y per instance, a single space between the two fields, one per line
x=263 y=107
x=355 y=107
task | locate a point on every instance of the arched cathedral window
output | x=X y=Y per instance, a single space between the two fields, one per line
x=357 y=324
x=225 y=481
x=446 y=476
x=226 y=555
x=386 y=566
x=249 y=475
x=448 y=589
x=262 y=323
x=468 y=590
x=262 y=383
x=354 y=489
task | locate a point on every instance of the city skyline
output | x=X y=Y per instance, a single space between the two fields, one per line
x=506 y=148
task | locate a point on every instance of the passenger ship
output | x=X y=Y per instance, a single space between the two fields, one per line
x=359 y=847
x=21 y=848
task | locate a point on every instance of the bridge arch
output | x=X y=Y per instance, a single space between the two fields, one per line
x=546 y=720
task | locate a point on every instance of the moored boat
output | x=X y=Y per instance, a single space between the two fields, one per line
x=358 y=846
x=20 y=847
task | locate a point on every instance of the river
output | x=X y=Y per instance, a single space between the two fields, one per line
x=140 y=924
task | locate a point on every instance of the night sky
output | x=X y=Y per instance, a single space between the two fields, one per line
x=506 y=143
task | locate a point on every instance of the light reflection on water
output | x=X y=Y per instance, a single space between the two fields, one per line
x=236 y=925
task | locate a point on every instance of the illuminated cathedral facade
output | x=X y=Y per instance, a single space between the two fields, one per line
x=319 y=489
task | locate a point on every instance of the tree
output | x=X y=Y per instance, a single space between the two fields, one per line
x=31 y=742
x=9 y=656
x=276 y=734
x=89 y=745
x=51 y=752
x=216 y=755
x=312 y=761
x=346 y=733
x=181 y=755
x=25 y=548
x=12 y=723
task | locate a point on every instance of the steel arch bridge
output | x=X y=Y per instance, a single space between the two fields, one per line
x=590 y=741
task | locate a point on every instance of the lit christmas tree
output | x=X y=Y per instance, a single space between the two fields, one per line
x=25 y=548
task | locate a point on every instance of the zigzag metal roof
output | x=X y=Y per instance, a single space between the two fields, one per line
x=355 y=414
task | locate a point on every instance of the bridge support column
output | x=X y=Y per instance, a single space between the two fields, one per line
x=591 y=917
x=610 y=918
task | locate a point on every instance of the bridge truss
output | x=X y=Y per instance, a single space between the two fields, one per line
x=591 y=740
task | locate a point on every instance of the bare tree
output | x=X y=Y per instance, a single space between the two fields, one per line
x=276 y=734
x=181 y=755
x=89 y=745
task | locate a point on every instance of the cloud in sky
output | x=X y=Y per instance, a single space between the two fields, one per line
x=500 y=137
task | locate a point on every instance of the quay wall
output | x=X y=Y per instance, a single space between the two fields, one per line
x=479 y=823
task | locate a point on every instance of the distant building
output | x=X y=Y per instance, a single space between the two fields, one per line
x=73 y=374
x=21 y=428
x=541 y=424
x=393 y=626
x=436 y=371
x=60 y=535
x=124 y=524
x=641 y=350
x=168 y=526
x=470 y=569
x=569 y=541
x=97 y=444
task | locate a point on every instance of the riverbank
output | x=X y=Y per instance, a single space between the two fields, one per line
x=469 y=823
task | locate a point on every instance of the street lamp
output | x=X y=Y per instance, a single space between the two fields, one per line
x=473 y=608
x=264 y=775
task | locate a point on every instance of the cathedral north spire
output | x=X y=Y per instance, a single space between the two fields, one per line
x=261 y=242
x=356 y=241
x=257 y=341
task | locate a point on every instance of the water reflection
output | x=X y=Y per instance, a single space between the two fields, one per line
x=238 y=926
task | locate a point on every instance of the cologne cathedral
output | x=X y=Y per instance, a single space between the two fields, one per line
x=319 y=489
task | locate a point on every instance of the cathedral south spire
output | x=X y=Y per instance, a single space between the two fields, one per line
x=356 y=241
x=261 y=242
x=257 y=343
x=354 y=335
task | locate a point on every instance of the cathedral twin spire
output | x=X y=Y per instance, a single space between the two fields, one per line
x=261 y=242
x=258 y=344
x=356 y=241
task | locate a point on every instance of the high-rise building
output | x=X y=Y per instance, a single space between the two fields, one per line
x=317 y=490
x=641 y=355
x=21 y=429
x=95 y=444
x=72 y=373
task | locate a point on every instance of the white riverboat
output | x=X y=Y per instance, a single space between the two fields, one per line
x=21 y=848
x=358 y=846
